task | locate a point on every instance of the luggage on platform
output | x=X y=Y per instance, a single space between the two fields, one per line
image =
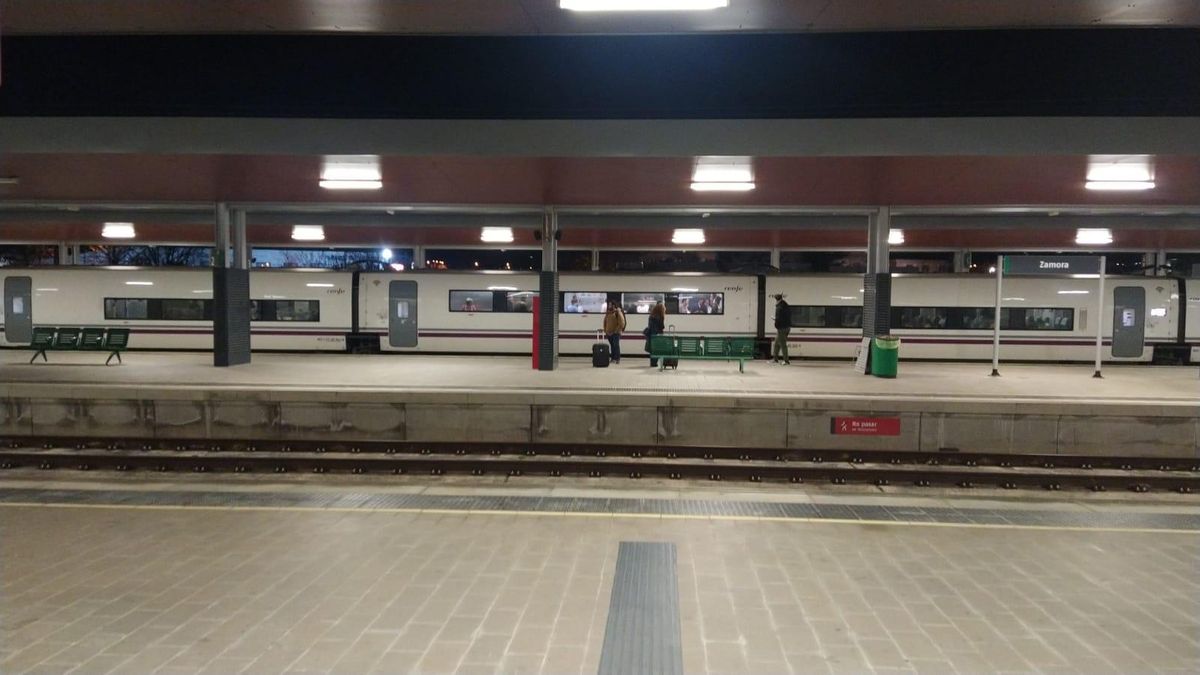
x=601 y=351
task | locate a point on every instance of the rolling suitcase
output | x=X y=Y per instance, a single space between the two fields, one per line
x=601 y=352
x=673 y=364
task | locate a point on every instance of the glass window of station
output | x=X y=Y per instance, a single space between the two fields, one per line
x=137 y=255
x=356 y=259
x=28 y=255
x=743 y=262
x=855 y=262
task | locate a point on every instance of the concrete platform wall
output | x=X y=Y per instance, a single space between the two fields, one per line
x=348 y=417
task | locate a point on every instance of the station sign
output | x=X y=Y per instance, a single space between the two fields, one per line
x=1051 y=264
x=865 y=426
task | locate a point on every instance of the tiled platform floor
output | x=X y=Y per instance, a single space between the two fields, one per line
x=167 y=589
x=410 y=372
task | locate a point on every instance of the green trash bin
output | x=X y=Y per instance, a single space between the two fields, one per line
x=885 y=356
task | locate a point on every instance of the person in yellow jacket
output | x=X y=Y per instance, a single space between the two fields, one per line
x=614 y=325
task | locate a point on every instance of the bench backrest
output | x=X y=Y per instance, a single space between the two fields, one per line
x=662 y=344
x=117 y=339
x=43 y=337
x=67 y=338
x=91 y=339
x=689 y=346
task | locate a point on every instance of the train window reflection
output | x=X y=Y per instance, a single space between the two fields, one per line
x=470 y=301
x=640 y=303
x=183 y=310
x=578 y=302
x=701 y=303
x=520 y=301
x=808 y=316
x=1049 y=319
x=930 y=318
x=297 y=310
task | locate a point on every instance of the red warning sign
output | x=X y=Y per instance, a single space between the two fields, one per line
x=865 y=426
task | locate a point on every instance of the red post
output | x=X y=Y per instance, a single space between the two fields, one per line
x=537 y=313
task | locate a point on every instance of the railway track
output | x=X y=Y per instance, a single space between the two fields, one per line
x=1138 y=474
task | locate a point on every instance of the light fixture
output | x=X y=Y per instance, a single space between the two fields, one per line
x=308 y=233
x=895 y=237
x=139 y=283
x=118 y=231
x=496 y=235
x=1120 y=172
x=9 y=180
x=719 y=173
x=685 y=290
x=688 y=236
x=640 y=5
x=399 y=267
x=386 y=254
x=1119 y=185
x=502 y=288
x=722 y=187
x=319 y=285
x=351 y=172
x=1093 y=236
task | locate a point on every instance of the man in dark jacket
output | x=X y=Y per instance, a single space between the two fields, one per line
x=783 y=326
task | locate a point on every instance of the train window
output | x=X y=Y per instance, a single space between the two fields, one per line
x=642 y=303
x=808 y=316
x=126 y=308
x=848 y=317
x=926 y=318
x=977 y=318
x=520 y=301
x=184 y=310
x=1047 y=319
x=471 y=301
x=583 y=302
x=297 y=310
x=701 y=303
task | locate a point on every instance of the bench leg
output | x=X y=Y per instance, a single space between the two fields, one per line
x=41 y=353
x=110 y=358
x=741 y=366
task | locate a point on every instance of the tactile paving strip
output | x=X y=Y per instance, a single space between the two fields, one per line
x=643 y=635
x=600 y=505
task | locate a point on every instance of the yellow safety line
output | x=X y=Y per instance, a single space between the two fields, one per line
x=599 y=514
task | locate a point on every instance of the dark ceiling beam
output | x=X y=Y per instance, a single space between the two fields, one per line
x=998 y=136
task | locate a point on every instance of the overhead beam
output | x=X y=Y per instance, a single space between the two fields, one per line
x=993 y=136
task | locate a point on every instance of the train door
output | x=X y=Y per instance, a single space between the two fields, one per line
x=1129 y=321
x=402 y=314
x=18 y=310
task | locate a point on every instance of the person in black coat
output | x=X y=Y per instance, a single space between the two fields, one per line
x=657 y=326
x=783 y=326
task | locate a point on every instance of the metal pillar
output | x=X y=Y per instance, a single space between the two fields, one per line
x=231 y=290
x=418 y=261
x=66 y=253
x=877 y=282
x=775 y=258
x=548 y=292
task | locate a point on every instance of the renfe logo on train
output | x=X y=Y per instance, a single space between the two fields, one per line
x=865 y=426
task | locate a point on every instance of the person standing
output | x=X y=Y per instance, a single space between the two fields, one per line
x=783 y=326
x=657 y=326
x=614 y=325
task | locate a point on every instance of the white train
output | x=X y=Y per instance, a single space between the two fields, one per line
x=938 y=317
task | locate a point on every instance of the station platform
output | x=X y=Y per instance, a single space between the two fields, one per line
x=248 y=574
x=1037 y=409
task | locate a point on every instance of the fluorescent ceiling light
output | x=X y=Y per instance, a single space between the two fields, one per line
x=351 y=184
x=502 y=288
x=686 y=290
x=351 y=172
x=118 y=231
x=717 y=173
x=1120 y=172
x=722 y=187
x=496 y=235
x=139 y=283
x=386 y=254
x=688 y=236
x=1119 y=185
x=1093 y=236
x=640 y=5
x=308 y=233
x=895 y=237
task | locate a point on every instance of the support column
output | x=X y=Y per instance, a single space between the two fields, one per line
x=231 y=290
x=418 y=261
x=547 y=343
x=877 y=282
x=775 y=259
x=66 y=253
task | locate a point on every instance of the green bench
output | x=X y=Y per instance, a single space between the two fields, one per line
x=740 y=349
x=67 y=339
